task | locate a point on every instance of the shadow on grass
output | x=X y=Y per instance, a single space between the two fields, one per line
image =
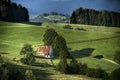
x=39 y=74
x=82 y=53
x=40 y=57
x=33 y=23
x=42 y=65
x=4 y=53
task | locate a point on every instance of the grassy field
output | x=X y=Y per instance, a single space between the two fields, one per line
x=96 y=40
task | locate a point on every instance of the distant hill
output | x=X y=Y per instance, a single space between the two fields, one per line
x=53 y=17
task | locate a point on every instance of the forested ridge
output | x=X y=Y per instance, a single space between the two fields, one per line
x=12 y=12
x=93 y=17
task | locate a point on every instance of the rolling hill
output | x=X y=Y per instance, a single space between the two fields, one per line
x=94 y=40
x=51 y=17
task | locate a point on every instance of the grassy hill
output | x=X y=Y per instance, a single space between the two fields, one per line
x=83 y=45
x=51 y=17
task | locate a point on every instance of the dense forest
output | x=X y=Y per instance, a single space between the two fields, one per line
x=12 y=12
x=93 y=17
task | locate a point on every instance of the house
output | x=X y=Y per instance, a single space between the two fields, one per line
x=45 y=51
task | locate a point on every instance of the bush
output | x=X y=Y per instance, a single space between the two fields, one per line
x=82 y=29
x=16 y=75
x=82 y=68
x=29 y=58
x=115 y=75
x=29 y=75
x=7 y=73
x=73 y=67
x=117 y=57
x=25 y=49
x=67 y=27
x=96 y=73
x=24 y=61
x=62 y=65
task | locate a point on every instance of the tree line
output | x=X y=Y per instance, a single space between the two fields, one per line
x=12 y=12
x=93 y=17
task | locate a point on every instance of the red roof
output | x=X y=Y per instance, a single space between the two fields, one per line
x=43 y=50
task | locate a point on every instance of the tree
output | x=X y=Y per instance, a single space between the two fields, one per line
x=74 y=67
x=82 y=68
x=117 y=57
x=49 y=36
x=59 y=44
x=62 y=65
x=29 y=58
x=26 y=49
x=93 y=17
x=29 y=75
x=12 y=12
x=97 y=73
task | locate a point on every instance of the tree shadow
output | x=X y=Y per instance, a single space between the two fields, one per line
x=38 y=73
x=41 y=57
x=82 y=53
x=42 y=65
x=33 y=23
x=4 y=53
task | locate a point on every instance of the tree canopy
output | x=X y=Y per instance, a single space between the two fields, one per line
x=29 y=58
x=49 y=36
x=12 y=12
x=93 y=17
x=59 y=43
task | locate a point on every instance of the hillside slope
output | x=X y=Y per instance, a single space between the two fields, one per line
x=95 y=40
x=51 y=17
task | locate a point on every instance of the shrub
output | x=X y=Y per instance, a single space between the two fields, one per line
x=117 y=57
x=29 y=58
x=73 y=67
x=67 y=27
x=82 y=29
x=16 y=75
x=29 y=75
x=7 y=73
x=25 y=49
x=24 y=60
x=82 y=68
x=62 y=65
x=96 y=73
x=115 y=75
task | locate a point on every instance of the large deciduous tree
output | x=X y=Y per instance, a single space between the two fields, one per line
x=49 y=36
x=59 y=44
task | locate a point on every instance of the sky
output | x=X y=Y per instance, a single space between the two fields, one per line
x=36 y=7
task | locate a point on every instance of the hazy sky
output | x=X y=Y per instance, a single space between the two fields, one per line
x=36 y=7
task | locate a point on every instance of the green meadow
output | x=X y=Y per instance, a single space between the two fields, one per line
x=83 y=45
